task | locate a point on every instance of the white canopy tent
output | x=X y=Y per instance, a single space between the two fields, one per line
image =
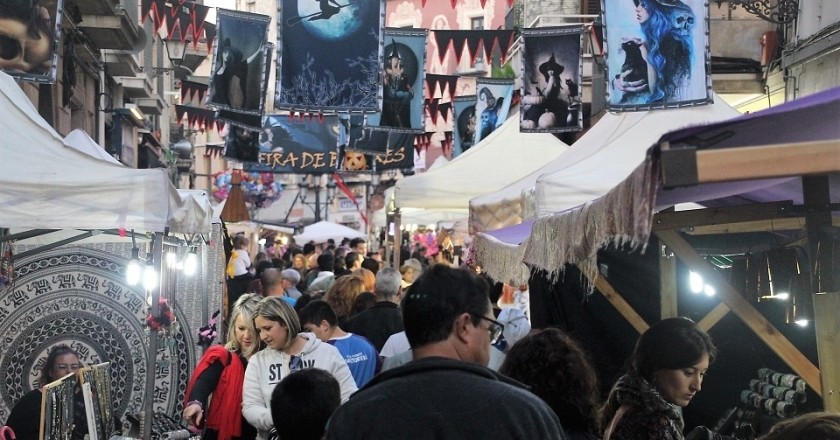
x=601 y=158
x=496 y=161
x=46 y=184
x=324 y=230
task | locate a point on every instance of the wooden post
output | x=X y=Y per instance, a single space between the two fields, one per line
x=828 y=347
x=667 y=283
x=617 y=301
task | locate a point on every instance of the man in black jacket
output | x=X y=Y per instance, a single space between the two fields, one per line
x=445 y=392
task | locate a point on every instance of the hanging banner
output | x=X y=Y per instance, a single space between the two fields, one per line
x=355 y=135
x=657 y=54
x=297 y=145
x=492 y=105
x=399 y=155
x=242 y=144
x=465 y=124
x=551 y=72
x=402 y=82
x=239 y=64
x=29 y=36
x=330 y=56
x=247 y=120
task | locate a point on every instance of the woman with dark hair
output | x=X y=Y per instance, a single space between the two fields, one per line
x=24 y=419
x=669 y=363
x=559 y=372
x=666 y=48
x=811 y=426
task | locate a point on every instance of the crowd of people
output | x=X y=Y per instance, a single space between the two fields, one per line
x=429 y=355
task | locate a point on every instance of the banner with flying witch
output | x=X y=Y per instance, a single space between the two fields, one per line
x=657 y=54
x=551 y=72
x=237 y=81
x=297 y=145
x=492 y=104
x=402 y=82
x=330 y=55
x=29 y=36
x=464 y=125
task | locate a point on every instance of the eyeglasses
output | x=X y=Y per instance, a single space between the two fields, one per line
x=295 y=363
x=496 y=328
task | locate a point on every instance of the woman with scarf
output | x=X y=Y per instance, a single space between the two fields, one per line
x=669 y=363
x=221 y=372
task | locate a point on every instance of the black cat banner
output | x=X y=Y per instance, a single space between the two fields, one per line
x=657 y=54
x=551 y=72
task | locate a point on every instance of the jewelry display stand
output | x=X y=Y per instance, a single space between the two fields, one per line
x=57 y=409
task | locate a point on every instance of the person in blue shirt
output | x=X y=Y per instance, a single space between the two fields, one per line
x=362 y=358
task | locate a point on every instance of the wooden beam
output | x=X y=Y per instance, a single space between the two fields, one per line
x=716 y=216
x=744 y=310
x=688 y=166
x=617 y=301
x=713 y=317
x=827 y=327
x=762 y=162
x=667 y=283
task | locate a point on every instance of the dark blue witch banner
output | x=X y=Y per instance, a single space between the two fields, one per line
x=364 y=150
x=29 y=36
x=402 y=82
x=247 y=120
x=239 y=69
x=297 y=145
x=463 y=137
x=242 y=144
x=657 y=54
x=330 y=53
x=355 y=134
x=399 y=155
x=551 y=72
x=492 y=105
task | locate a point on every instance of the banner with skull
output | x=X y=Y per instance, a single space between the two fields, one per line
x=30 y=32
x=657 y=54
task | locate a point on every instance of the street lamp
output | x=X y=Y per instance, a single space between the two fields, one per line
x=303 y=191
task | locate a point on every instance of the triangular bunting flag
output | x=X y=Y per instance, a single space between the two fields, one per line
x=504 y=39
x=433 y=109
x=474 y=39
x=444 y=110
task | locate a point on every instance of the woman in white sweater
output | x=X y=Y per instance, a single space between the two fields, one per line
x=287 y=350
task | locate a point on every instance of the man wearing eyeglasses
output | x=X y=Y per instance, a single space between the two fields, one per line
x=446 y=392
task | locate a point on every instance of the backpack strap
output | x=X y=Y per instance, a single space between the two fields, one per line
x=614 y=422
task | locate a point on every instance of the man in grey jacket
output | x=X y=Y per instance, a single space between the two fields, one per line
x=446 y=392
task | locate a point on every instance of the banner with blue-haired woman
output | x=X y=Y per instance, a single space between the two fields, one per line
x=657 y=54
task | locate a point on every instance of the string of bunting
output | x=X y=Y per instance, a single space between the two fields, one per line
x=455 y=2
x=473 y=39
x=187 y=18
x=446 y=144
x=190 y=90
x=214 y=150
x=443 y=83
x=437 y=109
x=199 y=118
x=423 y=141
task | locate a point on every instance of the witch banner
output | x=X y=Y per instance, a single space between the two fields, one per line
x=29 y=34
x=492 y=105
x=239 y=69
x=399 y=155
x=551 y=72
x=297 y=145
x=330 y=55
x=249 y=121
x=465 y=124
x=402 y=82
x=657 y=54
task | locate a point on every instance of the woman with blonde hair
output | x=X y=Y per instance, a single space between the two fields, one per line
x=287 y=350
x=342 y=295
x=220 y=372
